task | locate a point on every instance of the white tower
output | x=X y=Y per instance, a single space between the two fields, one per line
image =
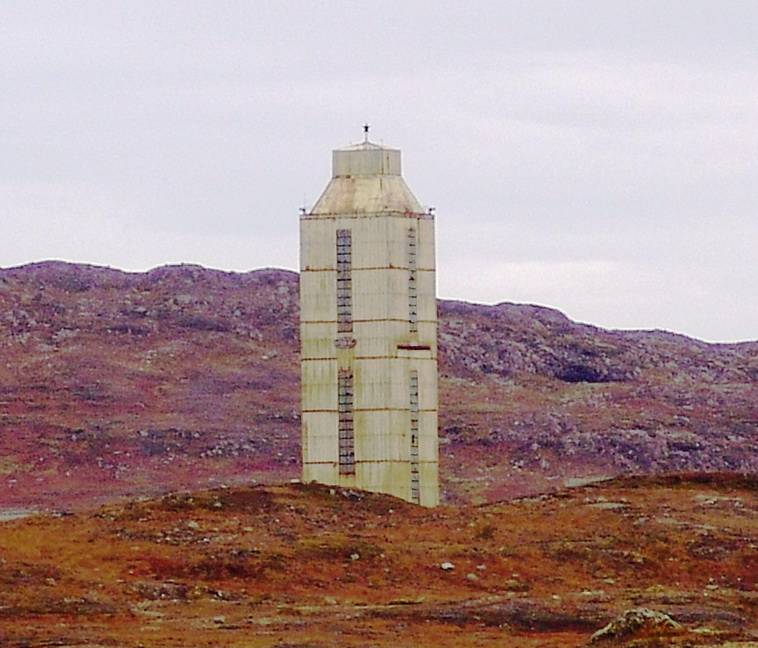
x=368 y=330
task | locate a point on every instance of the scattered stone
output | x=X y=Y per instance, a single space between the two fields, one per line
x=354 y=556
x=515 y=585
x=595 y=596
x=635 y=622
x=447 y=566
x=193 y=525
x=472 y=577
x=608 y=506
x=575 y=482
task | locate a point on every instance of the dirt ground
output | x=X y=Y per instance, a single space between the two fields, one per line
x=312 y=566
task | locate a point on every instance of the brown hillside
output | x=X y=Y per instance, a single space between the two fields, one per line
x=116 y=383
x=314 y=567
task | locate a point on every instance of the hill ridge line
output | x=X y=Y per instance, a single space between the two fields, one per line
x=53 y=265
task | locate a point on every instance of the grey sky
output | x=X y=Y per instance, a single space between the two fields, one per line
x=598 y=157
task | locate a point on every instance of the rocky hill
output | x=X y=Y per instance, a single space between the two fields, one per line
x=115 y=383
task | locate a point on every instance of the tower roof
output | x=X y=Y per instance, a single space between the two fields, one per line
x=365 y=145
x=366 y=158
x=366 y=178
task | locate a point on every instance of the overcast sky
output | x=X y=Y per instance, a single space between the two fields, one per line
x=597 y=157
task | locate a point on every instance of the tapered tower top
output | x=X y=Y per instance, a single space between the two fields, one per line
x=366 y=178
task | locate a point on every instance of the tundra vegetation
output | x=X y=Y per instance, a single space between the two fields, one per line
x=308 y=565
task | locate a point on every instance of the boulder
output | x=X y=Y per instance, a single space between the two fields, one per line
x=634 y=623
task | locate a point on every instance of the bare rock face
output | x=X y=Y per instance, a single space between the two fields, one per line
x=636 y=623
x=115 y=383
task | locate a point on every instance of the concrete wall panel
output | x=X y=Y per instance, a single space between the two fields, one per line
x=318 y=296
x=320 y=443
x=317 y=244
x=318 y=385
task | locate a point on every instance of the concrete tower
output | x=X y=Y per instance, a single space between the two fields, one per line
x=368 y=330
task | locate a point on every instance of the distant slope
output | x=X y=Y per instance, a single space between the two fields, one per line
x=115 y=383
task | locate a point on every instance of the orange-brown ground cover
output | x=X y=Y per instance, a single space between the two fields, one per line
x=312 y=566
